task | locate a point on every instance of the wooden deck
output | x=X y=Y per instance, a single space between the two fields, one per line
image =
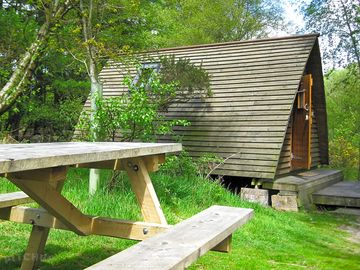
x=309 y=180
x=302 y=185
x=344 y=193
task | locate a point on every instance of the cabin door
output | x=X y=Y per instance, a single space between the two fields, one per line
x=301 y=126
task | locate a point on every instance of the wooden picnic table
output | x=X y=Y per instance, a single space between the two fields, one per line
x=40 y=171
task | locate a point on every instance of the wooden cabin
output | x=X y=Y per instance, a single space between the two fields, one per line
x=267 y=115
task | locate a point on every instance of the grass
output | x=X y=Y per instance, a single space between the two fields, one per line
x=271 y=240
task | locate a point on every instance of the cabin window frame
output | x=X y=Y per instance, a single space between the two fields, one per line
x=301 y=100
x=155 y=66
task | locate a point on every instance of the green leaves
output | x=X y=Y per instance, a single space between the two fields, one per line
x=136 y=115
x=343 y=108
x=338 y=23
x=189 y=22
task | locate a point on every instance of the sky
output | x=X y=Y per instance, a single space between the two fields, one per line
x=294 y=20
x=293 y=17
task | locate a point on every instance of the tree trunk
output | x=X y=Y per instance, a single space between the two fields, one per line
x=27 y=64
x=96 y=87
x=16 y=84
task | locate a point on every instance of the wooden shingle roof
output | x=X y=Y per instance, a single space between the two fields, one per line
x=254 y=85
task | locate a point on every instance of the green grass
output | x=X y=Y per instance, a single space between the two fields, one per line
x=271 y=240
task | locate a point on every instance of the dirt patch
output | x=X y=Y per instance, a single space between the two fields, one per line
x=353 y=229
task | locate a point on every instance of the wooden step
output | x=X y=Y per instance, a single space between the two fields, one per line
x=13 y=198
x=345 y=193
x=182 y=244
x=309 y=181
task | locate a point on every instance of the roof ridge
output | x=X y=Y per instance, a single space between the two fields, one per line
x=232 y=43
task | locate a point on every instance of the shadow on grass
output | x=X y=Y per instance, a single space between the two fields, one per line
x=53 y=258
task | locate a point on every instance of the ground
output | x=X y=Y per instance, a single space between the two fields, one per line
x=271 y=240
x=353 y=229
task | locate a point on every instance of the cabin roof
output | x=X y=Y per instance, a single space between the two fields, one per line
x=254 y=85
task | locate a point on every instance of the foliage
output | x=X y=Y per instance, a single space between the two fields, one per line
x=134 y=115
x=183 y=164
x=344 y=155
x=117 y=26
x=188 y=22
x=343 y=107
x=338 y=21
x=193 y=81
x=16 y=32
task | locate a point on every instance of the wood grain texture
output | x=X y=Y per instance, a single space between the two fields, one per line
x=100 y=226
x=39 y=235
x=144 y=190
x=254 y=84
x=13 y=198
x=344 y=193
x=49 y=198
x=182 y=244
x=21 y=157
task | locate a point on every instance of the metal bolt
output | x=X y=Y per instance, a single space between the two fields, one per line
x=135 y=168
x=32 y=221
x=38 y=216
x=145 y=231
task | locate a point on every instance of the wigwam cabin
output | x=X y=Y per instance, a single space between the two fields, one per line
x=267 y=115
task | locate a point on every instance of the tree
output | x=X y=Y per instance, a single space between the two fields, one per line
x=189 y=22
x=338 y=21
x=53 y=11
x=343 y=106
x=99 y=24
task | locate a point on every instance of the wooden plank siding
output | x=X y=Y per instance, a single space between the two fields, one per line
x=315 y=149
x=284 y=165
x=254 y=84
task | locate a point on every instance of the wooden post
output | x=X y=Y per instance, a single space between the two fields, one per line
x=94 y=180
x=38 y=237
x=144 y=190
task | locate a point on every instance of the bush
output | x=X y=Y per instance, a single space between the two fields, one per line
x=184 y=164
x=344 y=155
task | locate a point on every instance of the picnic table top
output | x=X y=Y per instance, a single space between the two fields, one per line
x=21 y=157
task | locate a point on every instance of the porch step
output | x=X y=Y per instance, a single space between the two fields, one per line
x=345 y=193
x=301 y=185
x=310 y=181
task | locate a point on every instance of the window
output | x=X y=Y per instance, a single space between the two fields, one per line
x=301 y=99
x=143 y=76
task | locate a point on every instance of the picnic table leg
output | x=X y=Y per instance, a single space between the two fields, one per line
x=36 y=245
x=144 y=190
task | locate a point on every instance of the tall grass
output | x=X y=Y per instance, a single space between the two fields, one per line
x=271 y=240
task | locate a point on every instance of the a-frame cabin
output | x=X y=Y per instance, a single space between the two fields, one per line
x=267 y=112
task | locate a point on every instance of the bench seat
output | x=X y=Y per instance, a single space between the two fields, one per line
x=182 y=244
x=13 y=198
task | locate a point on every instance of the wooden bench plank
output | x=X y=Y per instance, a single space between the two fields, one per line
x=182 y=244
x=13 y=198
x=135 y=230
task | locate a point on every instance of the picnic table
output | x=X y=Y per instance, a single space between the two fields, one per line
x=39 y=170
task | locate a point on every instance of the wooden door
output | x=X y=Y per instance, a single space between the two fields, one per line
x=301 y=126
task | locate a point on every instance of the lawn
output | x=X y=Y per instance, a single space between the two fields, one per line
x=271 y=240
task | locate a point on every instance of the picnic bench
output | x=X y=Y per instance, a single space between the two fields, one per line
x=182 y=244
x=39 y=170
